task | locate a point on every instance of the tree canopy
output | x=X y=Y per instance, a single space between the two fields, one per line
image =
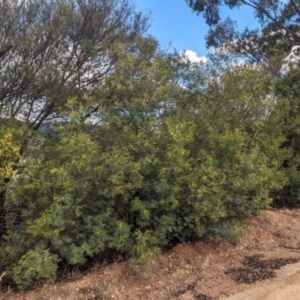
x=279 y=21
x=54 y=50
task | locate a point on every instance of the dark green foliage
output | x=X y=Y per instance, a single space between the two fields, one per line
x=36 y=264
x=164 y=164
x=269 y=46
x=288 y=92
x=177 y=151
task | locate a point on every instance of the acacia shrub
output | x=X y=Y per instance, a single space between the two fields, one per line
x=146 y=175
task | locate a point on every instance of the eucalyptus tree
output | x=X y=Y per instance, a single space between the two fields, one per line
x=283 y=14
x=279 y=22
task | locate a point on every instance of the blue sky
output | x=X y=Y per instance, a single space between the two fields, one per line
x=175 y=25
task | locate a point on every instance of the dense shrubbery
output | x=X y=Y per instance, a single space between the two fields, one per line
x=77 y=199
x=288 y=92
x=157 y=151
x=160 y=167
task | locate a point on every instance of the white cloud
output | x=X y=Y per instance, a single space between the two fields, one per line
x=191 y=56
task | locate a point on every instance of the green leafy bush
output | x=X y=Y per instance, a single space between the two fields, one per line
x=288 y=93
x=36 y=265
x=162 y=166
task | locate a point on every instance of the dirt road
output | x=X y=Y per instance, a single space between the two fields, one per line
x=285 y=286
